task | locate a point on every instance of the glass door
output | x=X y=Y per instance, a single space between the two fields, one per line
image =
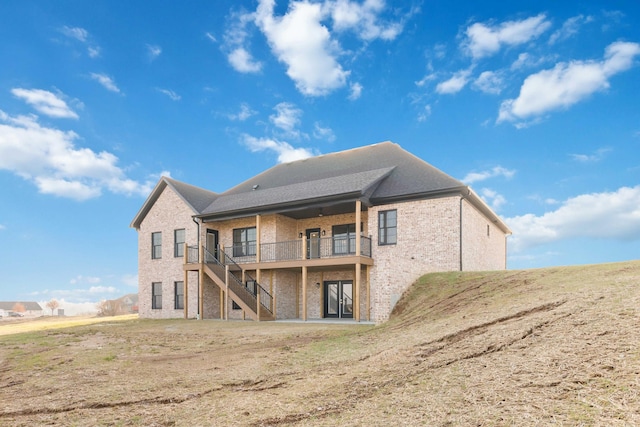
x=338 y=299
x=313 y=243
x=212 y=243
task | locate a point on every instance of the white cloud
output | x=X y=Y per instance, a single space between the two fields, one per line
x=287 y=117
x=234 y=45
x=489 y=82
x=130 y=280
x=356 y=91
x=323 y=133
x=455 y=84
x=299 y=40
x=244 y=113
x=94 y=51
x=45 y=102
x=286 y=152
x=484 y=40
x=242 y=61
x=211 y=37
x=427 y=78
x=105 y=81
x=81 y=35
x=568 y=83
x=363 y=19
x=491 y=173
x=171 y=94
x=591 y=158
x=77 y=33
x=609 y=215
x=493 y=198
x=49 y=158
x=424 y=115
x=153 y=51
x=84 y=279
x=569 y=28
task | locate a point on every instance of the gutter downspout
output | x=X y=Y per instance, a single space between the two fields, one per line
x=193 y=218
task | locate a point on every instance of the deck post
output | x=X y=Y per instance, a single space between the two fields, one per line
x=368 y=279
x=304 y=293
x=258 y=238
x=226 y=292
x=186 y=282
x=201 y=282
x=356 y=291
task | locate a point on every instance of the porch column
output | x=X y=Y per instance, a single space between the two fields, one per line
x=201 y=282
x=226 y=292
x=185 y=282
x=304 y=293
x=356 y=292
x=221 y=304
x=368 y=279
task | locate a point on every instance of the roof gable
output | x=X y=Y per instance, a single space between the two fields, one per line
x=195 y=198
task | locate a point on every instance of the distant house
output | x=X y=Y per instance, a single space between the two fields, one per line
x=337 y=236
x=31 y=308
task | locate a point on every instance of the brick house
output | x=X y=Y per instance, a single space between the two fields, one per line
x=340 y=235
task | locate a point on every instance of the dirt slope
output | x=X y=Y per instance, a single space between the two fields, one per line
x=551 y=346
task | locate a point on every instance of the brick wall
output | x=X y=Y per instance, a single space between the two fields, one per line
x=483 y=243
x=166 y=215
x=428 y=240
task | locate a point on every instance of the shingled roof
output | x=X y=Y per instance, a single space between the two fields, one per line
x=375 y=174
x=28 y=305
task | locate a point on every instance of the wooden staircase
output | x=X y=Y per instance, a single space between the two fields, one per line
x=256 y=302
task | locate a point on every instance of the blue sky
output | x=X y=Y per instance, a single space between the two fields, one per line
x=532 y=103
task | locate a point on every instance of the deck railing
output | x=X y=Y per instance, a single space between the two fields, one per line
x=324 y=247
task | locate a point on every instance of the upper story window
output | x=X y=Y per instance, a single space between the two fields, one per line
x=387 y=227
x=344 y=239
x=244 y=241
x=156 y=245
x=178 y=294
x=156 y=295
x=178 y=243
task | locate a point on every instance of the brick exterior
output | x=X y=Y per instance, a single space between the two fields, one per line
x=484 y=245
x=428 y=240
x=169 y=213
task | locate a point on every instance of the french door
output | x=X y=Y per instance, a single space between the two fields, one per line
x=338 y=299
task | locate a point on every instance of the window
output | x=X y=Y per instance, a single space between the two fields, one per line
x=178 y=243
x=387 y=227
x=488 y=231
x=156 y=295
x=178 y=292
x=235 y=306
x=244 y=242
x=156 y=245
x=344 y=239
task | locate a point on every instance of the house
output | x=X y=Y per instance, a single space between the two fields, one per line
x=340 y=235
x=20 y=309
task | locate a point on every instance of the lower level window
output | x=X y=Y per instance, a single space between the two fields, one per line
x=156 y=295
x=179 y=295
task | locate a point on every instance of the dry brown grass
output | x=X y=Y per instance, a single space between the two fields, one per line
x=551 y=346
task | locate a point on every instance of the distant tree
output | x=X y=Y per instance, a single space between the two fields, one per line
x=109 y=307
x=19 y=307
x=53 y=304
